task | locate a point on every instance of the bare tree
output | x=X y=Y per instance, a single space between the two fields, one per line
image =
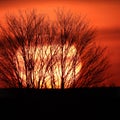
x=38 y=53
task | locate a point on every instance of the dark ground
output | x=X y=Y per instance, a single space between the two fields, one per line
x=84 y=100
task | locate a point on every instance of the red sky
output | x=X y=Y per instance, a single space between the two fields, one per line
x=103 y=15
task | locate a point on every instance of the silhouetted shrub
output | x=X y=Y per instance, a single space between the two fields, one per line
x=38 y=53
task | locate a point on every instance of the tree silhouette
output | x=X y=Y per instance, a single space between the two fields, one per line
x=38 y=53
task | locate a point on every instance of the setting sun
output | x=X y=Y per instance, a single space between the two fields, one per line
x=47 y=54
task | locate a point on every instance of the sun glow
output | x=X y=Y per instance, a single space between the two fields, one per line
x=44 y=67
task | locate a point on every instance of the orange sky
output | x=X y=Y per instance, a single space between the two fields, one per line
x=103 y=15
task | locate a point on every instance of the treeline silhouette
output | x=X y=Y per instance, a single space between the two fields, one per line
x=38 y=53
